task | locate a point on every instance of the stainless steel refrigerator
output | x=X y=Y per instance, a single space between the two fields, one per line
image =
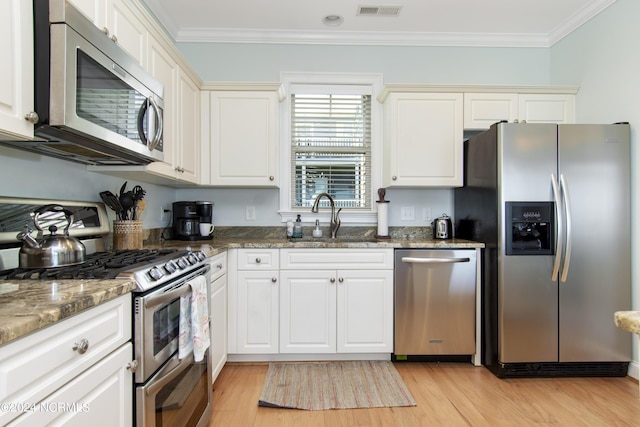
x=552 y=204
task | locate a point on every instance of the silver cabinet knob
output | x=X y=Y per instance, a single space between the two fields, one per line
x=258 y=260
x=114 y=38
x=274 y=279
x=81 y=346
x=132 y=366
x=271 y=178
x=341 y=279
x=32 y=117
x=105 y=30
x=394 y=178
x=219 y=266
x=332 y=280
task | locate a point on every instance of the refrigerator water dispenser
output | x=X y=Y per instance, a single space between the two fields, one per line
x=529 y=228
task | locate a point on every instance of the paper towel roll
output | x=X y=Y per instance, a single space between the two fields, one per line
x=383 y=219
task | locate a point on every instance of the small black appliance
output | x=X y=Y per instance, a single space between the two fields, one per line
x=187 y=217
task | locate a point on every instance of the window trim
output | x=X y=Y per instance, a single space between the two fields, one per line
x=373 y=80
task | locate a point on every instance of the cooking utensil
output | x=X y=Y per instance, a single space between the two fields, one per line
x=139 y=208
x=112 y=202
x=53 y=250
x=138 y=193
x=127 y=202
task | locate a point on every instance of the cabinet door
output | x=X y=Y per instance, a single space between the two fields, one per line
x=308 y=311
x=102 y=395
x=257 y=312
x=16 y=84
x=481 y=110
x=95 y=10
x=365 y=311
x=244 y=138
x=218 y=314
x=188 y=120
x=423 y=140
x=164 y=68
x=546 y=108
x=127 y=30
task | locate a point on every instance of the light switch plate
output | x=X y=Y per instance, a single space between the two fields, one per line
x=250 y=213
x=407 y=213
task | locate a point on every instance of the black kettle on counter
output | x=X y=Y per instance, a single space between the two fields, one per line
x=442 y=227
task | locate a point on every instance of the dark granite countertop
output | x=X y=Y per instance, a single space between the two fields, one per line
x=29 y=305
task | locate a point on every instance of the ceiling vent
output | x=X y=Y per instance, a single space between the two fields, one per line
x=379 y=10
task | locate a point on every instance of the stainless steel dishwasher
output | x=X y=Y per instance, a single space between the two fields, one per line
x=435 y=302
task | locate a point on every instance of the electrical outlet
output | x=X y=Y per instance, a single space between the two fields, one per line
x=163 y=214
x=407 y=213
x=250 y=213
x=426 y=214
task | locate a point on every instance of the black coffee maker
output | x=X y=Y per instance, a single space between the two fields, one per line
x=187 y=217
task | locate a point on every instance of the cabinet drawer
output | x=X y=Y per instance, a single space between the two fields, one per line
x=334 y=258
x=257 y=259
x=218 y=266
x=33 y=367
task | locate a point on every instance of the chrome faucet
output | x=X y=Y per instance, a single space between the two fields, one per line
x=335 y=220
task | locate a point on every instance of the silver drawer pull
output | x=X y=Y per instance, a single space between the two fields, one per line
x=219 y=266
x=81 y=346
x=258 y=260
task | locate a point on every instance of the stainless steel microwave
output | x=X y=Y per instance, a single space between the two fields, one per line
x=95 y=104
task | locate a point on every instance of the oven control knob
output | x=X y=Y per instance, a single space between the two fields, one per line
x=155 y=273
x=183 y=263
x=171 y=267
x=201 y=256
x=193 y=259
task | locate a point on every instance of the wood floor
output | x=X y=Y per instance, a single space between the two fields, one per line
x=447 y=394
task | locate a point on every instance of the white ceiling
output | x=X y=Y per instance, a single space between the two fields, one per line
x=532 y=23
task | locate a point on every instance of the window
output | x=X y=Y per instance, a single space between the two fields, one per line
x=331 y=149
x=331 y=127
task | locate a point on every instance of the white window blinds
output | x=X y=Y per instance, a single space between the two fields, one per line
x=331 y=149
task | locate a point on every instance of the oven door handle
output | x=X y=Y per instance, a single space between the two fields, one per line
x=167 y=296
x=164 y=380
x=155 y=300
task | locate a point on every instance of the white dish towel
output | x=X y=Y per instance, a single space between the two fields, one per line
x=194 y=321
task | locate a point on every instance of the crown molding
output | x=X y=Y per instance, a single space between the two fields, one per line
x=360 y=38
x=582 y=16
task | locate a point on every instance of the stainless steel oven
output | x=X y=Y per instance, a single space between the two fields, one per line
x=169 y=391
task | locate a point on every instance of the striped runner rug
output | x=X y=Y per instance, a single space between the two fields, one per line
x=334 y=385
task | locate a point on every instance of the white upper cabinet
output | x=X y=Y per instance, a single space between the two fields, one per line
x=187 y=150
x=243 y=137
x=423 y=139
x=16 y=84
x=119 y=22
x=481 y=110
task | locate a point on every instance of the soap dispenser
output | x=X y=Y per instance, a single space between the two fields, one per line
x=316 y=231
x=297 y=228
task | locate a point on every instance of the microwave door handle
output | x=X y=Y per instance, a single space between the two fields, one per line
x=560 y=228
x=141 y=114
x=567 y=207
x=159 y=125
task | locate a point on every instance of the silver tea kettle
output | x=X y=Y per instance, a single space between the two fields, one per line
x=442 y=227
x=53 y=250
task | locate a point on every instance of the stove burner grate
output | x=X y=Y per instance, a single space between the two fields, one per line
x=99 y=265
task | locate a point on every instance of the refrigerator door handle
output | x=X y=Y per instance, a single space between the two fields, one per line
x=564 y=191
x=560 y=228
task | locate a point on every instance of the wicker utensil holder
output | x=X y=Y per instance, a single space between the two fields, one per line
x=127 y=234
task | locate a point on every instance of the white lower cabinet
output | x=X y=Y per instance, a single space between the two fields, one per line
x=74 y=372
x=336 y=311
x=218 y=313
x=310 y=301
